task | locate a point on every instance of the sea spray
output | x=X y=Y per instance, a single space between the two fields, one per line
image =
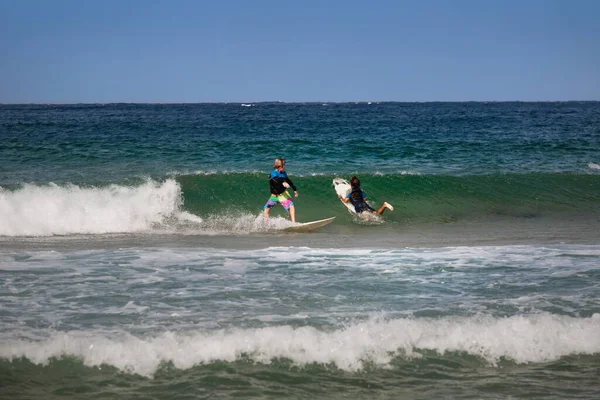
x=42 y=210
x=522 y=339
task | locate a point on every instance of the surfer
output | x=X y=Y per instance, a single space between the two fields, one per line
x=358 y=198
x=279 y=183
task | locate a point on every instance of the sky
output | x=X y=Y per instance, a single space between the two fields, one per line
x=189 y=51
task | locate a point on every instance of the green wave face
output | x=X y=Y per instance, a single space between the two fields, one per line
x=427 y=198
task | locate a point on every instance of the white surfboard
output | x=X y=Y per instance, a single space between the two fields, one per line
x=309 y=226
x=342 y=188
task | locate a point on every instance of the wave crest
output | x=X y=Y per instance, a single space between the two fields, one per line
x=36 y=210
x=524 y=339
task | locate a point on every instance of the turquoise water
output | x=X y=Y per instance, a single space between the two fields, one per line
x=135 y=261
x=109 y=143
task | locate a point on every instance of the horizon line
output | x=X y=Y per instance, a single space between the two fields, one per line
x=295 y=102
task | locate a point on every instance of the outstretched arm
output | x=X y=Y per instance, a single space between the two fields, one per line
x=289 y=182
x=287 y=185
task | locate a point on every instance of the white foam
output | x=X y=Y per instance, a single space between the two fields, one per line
x=523 y=339
x=222 y=172
x=401 y=172
x=152 y=207
x=238 y=223
x=62 y=210
x=593 y=165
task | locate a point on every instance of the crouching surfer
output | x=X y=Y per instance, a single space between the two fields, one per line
x=358 y=198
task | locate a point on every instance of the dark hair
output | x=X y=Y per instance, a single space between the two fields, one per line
x=354 y=182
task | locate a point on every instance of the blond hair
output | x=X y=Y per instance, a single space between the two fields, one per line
x=279 y=162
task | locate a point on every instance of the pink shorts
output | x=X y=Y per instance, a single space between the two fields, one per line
x=284 y=199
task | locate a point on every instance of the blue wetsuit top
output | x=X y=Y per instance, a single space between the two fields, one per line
x=349 y=195
x=358 y=201
x=276 y=179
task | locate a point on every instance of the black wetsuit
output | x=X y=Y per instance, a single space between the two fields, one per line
x=357 y=198
x=276 y=180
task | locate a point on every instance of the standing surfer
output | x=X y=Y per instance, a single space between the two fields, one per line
x=279 y=183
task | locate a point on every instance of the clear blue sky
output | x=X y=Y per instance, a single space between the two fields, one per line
x=64 y=51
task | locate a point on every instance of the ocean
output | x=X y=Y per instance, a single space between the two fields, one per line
x=135 y=261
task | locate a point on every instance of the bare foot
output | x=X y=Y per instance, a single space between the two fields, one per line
x=388 y=206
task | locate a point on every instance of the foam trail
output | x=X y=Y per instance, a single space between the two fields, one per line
x=524 y=339
x=152 y=207
x=61 y=210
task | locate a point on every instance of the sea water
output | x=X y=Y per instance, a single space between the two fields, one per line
x=135 y=261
